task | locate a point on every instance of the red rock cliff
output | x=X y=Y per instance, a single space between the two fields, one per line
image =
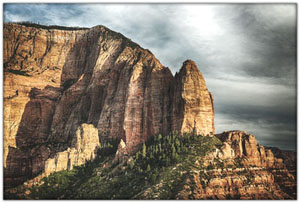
x=56 y=81
x=193 y=108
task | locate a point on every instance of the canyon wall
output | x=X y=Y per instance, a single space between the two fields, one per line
x=242 y=169
x=57 y=80
x=33 y=58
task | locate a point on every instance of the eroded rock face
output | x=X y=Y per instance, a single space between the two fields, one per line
x=37 y=117
x=240 y=183
x=33 y=58
x=193 y=109
x=28 y=159
x=289 y=157
x=56 y=80
x=240 y=169
x=245 y=146
x=84 y=148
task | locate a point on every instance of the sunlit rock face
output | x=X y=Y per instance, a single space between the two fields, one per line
x=56 y=80
x=245 y=146
x=193 y=109
x=84 y=148
x=33 y=58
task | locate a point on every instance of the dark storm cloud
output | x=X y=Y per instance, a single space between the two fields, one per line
x=270 y=38
x=270 y=41
x=269 y=127
x=246 y=52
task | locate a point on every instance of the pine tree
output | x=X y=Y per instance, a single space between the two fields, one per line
x=153 y=178
x=151 y=155
x=131 y=164
x=148 y=168
x=137 y=155
x=167 y=161
x=173 y=151
x=144 y=153
x=177 y=142
x=156 y=149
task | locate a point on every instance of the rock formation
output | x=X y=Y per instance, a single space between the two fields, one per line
x=56 y=80
x=245 y=146
x=33 y=58
x=252 y=183
x=193 y=109
x=84 y=147
x=247 y=171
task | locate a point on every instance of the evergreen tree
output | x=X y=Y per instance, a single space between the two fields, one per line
x=137 y=155
x=131 y=164
x=153 y=178
x=151 y=155
x=144 y=152
x=177 y=142
x=148 y=168
x=173 y=152
x=159 y=137
x=167 y=161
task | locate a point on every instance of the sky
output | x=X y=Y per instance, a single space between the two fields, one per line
x=246 y=53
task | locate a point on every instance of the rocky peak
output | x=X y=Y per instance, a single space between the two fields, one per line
x=245 y=146
x=188 y=67
x=193 y=109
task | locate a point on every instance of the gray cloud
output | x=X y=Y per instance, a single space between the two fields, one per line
x=269 y=33
x=246 y=52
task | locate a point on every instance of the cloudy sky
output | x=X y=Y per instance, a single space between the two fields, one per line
x=246 y=52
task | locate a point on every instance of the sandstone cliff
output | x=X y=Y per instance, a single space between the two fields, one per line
x=33 y=58
x=243 y=145
x=56 y=80
x=193 y=109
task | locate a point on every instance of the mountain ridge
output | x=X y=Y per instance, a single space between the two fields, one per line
x=94 y=76
x=70 y=94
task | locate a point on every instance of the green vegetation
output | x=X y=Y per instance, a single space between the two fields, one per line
x=165 y=167
x=37 y=25
x=161 y=166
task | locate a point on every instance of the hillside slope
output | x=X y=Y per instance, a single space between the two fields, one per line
x=167 y=167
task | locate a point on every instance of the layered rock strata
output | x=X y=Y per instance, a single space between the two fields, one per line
x=251 y=183
x=33 y=58
x=239 y=144
x=240 y=169
x=56 y=80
